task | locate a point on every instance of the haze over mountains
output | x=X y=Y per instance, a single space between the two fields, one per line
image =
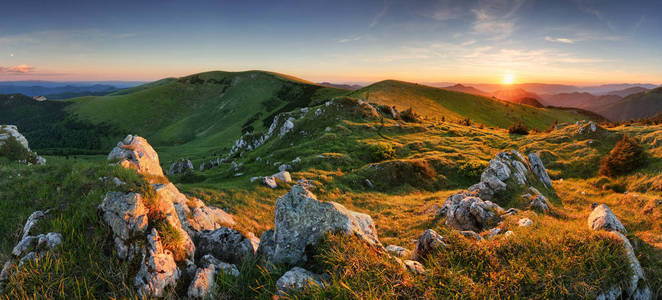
x=64 y=90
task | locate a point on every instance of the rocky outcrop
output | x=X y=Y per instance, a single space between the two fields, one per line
x=297 y=279
x=204 y=278
x=273 y=180
x=465 y=211
x=302 y=220
x=181 y=166
x=135 y=153
x=30 y=247
x=428 y=241
x=539 y=170
x=11 y=132
x=636 y=288
x=588 y=129
x=129 y=215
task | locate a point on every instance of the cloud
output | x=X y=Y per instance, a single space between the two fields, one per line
x=19 y=69
x=351 y=39
x=379 y=15
x=496 y=18
x=559 y=40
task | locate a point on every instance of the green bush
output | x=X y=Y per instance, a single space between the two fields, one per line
x=472 y=169
x=626 y=157
x=14 y=151
x=381 y=151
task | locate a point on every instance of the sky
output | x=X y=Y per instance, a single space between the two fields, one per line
x=481 y=41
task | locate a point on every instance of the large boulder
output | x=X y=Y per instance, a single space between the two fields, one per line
x=11 y=131
x=465 y=211
x=135 y=152
x=225 y=244
x=302 y=220
x=603 y=219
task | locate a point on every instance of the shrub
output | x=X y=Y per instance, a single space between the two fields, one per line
x=626 y=157
x=518 y=128
x=172 y=239
x=410 y=115
x=14 y=151
x=465 y=122
x=381 y=151
x=473 y=168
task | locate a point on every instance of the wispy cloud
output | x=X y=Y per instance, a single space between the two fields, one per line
x=379 y=15
x=351 y=39
x=496 y=18
x=19 y=69
x=559 y=40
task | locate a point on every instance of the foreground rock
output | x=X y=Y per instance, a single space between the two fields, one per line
x=297 y=279
x=427 y=242
x=603 y=219
x=30 y=247
x=302 y=220
x=465 y=211
x=129 y=215
x=11 y=132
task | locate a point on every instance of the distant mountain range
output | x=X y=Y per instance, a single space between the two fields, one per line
x=351 y=87
x=63 y=90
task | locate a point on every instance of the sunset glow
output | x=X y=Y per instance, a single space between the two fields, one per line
x=508 y=78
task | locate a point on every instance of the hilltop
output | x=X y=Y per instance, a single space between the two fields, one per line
x=637 y=106
x=451 y=105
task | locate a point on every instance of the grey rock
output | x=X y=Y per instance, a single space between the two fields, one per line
x=428 y=241
x=270 y=181
x=180 y=166
x=158 y=269
x=603 y=219
x=398 y=251
x=539 y=203
x=525 y=222
x=297 y=279
x=467 y=212
x=126 y=214
x=302 y=220
x=225 y=244
x=414 y=267
x=136 y=153
x=539 y=170
x=471 y=234
x=32 y=221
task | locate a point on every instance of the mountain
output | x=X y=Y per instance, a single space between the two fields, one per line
x=606 y=88
x=581 y=100
x=641 y=105
x=466 y=89
x=350 y=87
x=514 y=94
x=628 y=91
x=451 y=105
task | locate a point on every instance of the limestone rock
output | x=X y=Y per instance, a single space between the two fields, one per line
x=302 y=220
x=32 y=221
x=225 y=244
x=525 y=222
x=180 y=166
x=204 y=278
x=465 y=211
x=7 y=131
x=297 y=279
x=136 y=153
x=428 y=241
x=414 y=267
x=539 y=170
x=471 y=234
x=603 y=219
x=539 y=203
x=398 y=251
x=158 y=269
x=126 y=214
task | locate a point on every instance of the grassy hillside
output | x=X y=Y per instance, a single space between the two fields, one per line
x=206 y=111
x=637 y=106
x=452 y=105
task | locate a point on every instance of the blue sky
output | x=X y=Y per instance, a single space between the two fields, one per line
x=577 y=41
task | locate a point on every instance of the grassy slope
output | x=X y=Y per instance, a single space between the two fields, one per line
x=206 y=117
x=439 y=103
x=637 y=106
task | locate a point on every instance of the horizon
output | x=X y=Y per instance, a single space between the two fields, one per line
x=577 y=43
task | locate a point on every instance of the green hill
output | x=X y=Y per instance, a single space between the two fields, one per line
x=451 y=105
x=636 y=106
x=206 y=111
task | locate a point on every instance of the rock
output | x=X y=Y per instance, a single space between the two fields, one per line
x=284 y=167
x=7 y=131
x=525 y=222
x=508 y=234
x=135 y=153
x=414 y=267
x=428 y=241
x=302 y=220
x=158 y=269
x=297 y=279
x=539 y=203
x=539 y=170
x=467 y=212
x=118 y=182
x=283 y=176
x=287 y=126
x=493 y=232
x=225 y=244
x=369 y=184
x=270 y=181
x=203 y=283
x=181 y=166
x=126 y=214
x=471 y=234
x=398 y=251
x=32 y=221
x=220 y=266
x=603 y=219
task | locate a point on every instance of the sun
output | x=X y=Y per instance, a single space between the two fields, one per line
x=508 y=78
